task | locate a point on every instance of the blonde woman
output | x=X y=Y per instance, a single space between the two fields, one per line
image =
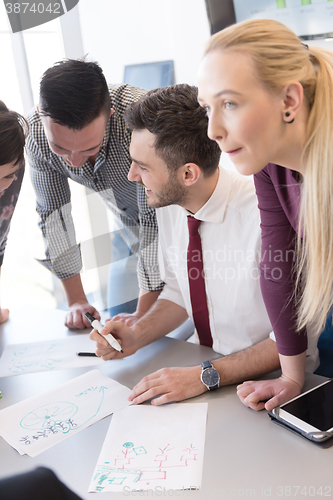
x=269 y=99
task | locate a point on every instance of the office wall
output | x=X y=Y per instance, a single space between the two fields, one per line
x=120 y=32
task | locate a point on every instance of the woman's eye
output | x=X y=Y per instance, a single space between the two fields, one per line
x=229 y=105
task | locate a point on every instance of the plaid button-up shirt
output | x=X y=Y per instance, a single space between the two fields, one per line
x=108 y=177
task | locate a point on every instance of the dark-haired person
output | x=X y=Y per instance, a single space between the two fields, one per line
x=78 y=132
x=178 y=165
x=12 y=139
x=38 y=484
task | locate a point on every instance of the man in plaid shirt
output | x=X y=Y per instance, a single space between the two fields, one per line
x=78 y=132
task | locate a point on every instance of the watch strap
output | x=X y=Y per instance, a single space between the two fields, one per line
x=206 y=364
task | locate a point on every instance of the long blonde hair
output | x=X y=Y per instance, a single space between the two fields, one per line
x=281 y=58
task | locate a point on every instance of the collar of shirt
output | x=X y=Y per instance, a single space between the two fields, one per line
x=214 y=208
x=294 y=173
x=297 y=176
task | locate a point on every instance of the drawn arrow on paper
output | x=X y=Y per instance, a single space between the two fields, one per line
x=101 y=390
x=54 y=414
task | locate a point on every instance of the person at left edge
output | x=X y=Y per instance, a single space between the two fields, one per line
x=78 y=132
x=38 y=484
x=13 y=129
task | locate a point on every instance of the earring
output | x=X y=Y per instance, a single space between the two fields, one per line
x=287 y=115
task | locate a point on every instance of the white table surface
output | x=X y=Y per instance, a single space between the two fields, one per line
x=246 y=455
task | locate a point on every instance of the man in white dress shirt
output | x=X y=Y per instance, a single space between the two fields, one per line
x=178 y=165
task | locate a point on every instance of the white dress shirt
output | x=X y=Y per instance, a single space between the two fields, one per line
x=230 y=238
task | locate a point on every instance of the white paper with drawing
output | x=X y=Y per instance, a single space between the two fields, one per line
x=37 y=423
x=46 y=356
x=149 y=447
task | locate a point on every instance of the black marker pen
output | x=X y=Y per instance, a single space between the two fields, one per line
x=86 y=354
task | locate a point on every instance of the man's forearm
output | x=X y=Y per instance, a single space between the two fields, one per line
x=146 y=300
x=74 y=290
x=176 y=384
x=250 y=363
x=163 y=317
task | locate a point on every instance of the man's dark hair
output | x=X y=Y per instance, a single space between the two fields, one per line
x=13 y=131
x=173 y=114
x=74 y=93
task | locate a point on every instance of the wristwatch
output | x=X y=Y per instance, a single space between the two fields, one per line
x=209 y=376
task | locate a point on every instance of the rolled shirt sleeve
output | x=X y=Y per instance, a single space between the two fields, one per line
x=148 y=267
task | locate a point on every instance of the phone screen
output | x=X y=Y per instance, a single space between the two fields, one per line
x=315 y=407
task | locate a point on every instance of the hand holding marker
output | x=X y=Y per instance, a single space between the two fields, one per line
x=98 y=327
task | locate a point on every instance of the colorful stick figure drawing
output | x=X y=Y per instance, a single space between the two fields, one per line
x=125 y=472
x=149 y=447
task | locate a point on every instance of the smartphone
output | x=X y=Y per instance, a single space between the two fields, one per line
x=310 y=414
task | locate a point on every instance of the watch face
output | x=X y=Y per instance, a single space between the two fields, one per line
x=210 y=377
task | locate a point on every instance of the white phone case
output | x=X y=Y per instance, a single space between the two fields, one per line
x=282 y=416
